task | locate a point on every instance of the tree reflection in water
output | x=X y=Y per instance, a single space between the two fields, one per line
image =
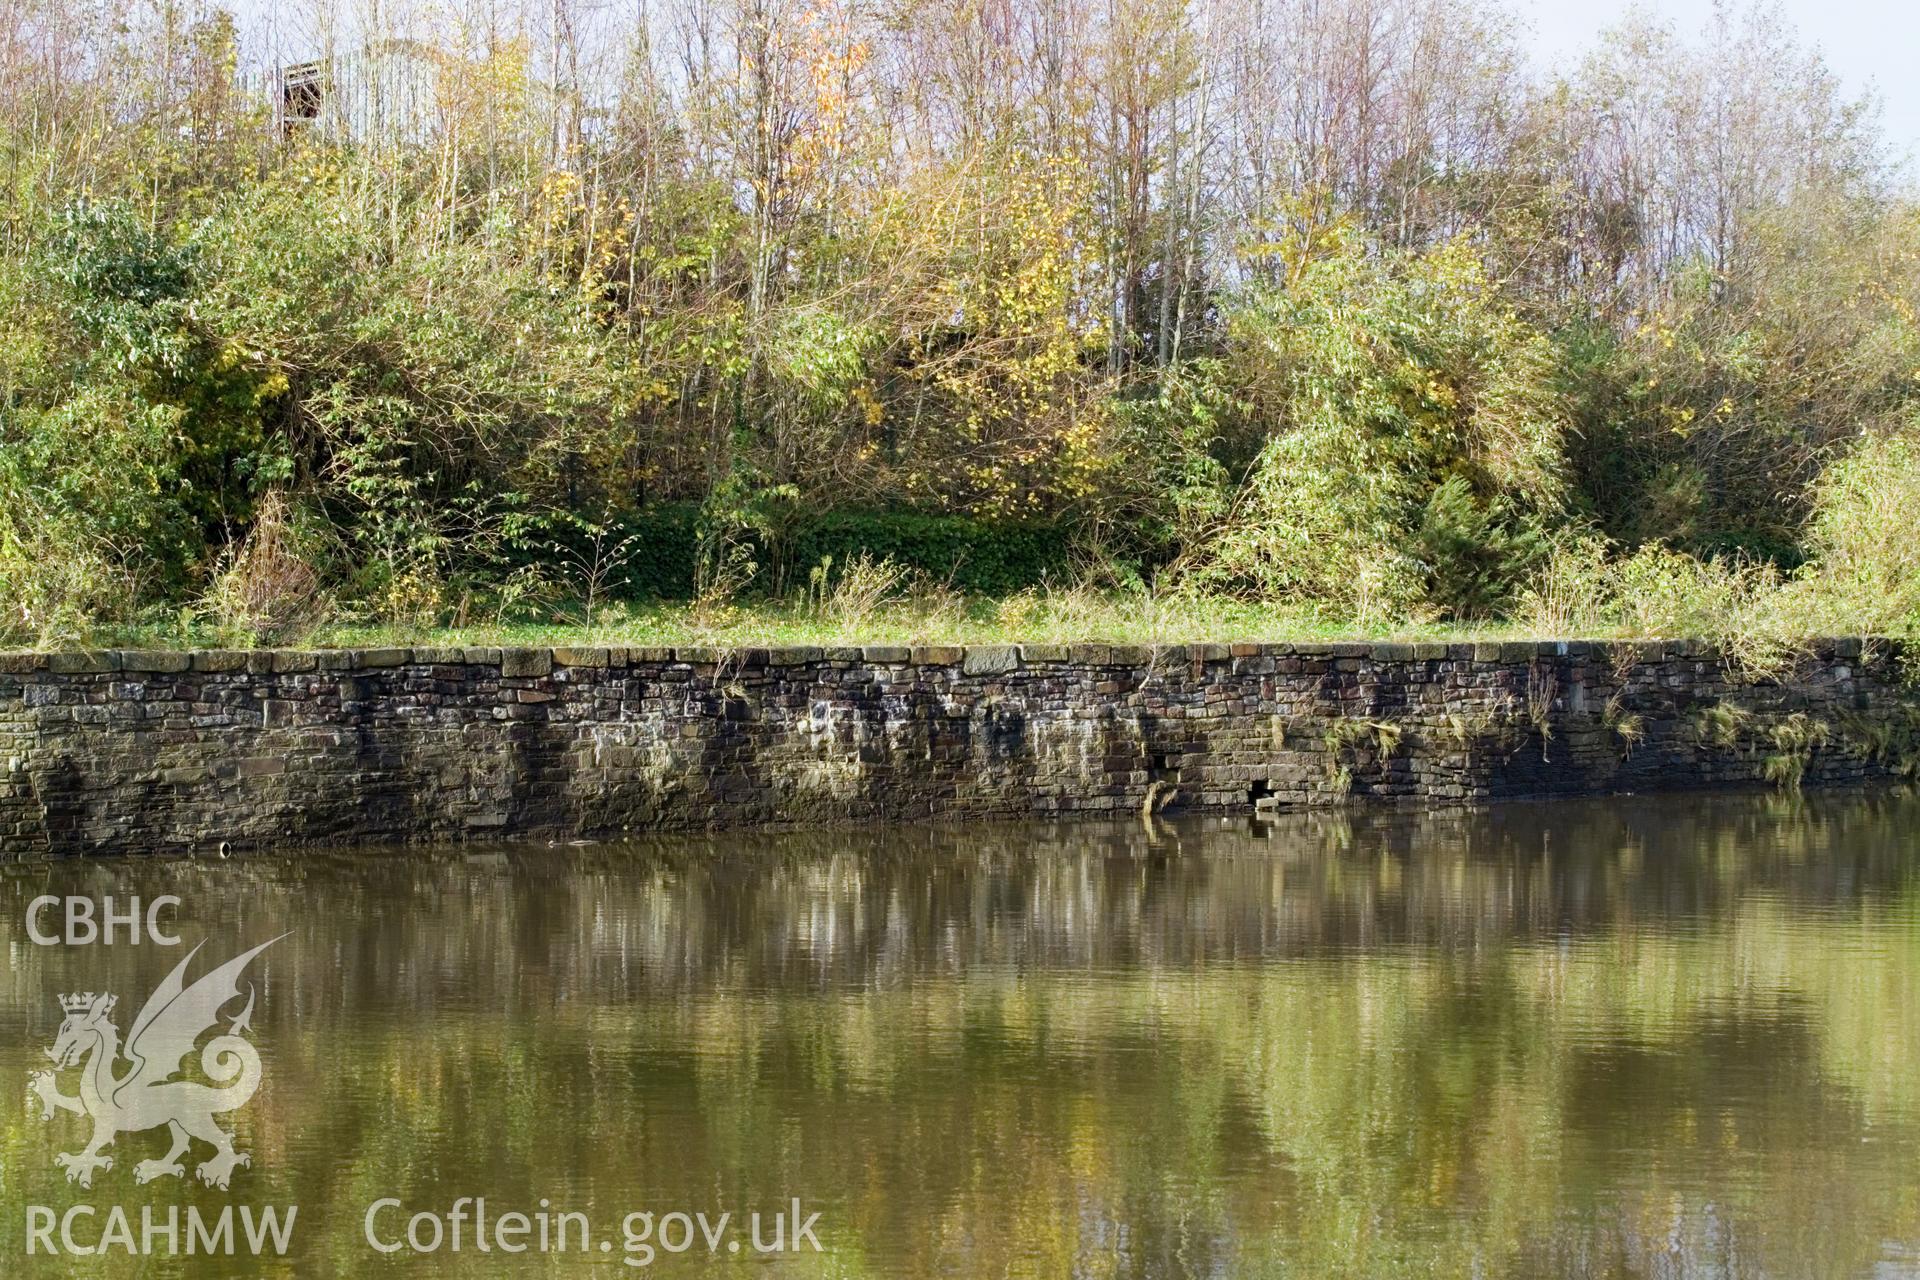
x=1670 y=1037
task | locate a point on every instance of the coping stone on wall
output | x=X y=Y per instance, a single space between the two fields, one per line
x=990 y=659
x=526 y=663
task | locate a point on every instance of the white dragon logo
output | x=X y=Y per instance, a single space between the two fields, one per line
x=146 y=1095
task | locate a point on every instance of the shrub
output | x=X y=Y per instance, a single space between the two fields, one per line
x=1739 y=604
x=1380 y=378
x=132 y=293
x=59 y=580
x=852 y=595
x=271 y=587
x=1474 y=553
x=1866 y=562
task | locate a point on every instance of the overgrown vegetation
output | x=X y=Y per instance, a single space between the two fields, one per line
x=1136 y=318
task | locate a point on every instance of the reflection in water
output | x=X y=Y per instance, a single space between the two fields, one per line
x=1640 y=1037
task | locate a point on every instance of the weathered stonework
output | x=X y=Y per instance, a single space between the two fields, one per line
x=115 y=752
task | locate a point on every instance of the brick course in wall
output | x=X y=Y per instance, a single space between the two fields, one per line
x=127 y=751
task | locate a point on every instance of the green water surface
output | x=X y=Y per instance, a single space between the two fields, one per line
x=1640 y=1037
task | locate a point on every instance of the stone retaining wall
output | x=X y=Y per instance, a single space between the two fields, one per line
x=126 y=751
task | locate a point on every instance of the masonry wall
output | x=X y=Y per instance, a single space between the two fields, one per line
x=121 y=752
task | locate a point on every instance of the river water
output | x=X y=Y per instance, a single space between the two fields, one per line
x=1633 y=1037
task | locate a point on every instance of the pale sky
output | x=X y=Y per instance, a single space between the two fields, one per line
x=1872 y=45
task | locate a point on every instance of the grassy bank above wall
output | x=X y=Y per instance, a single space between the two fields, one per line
x=942 y=618
x=1035 y=618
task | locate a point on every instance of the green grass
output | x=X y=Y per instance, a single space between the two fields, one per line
x=1035 y=618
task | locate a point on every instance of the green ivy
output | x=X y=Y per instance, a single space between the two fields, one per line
x=975 y=556
x=980 y=556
